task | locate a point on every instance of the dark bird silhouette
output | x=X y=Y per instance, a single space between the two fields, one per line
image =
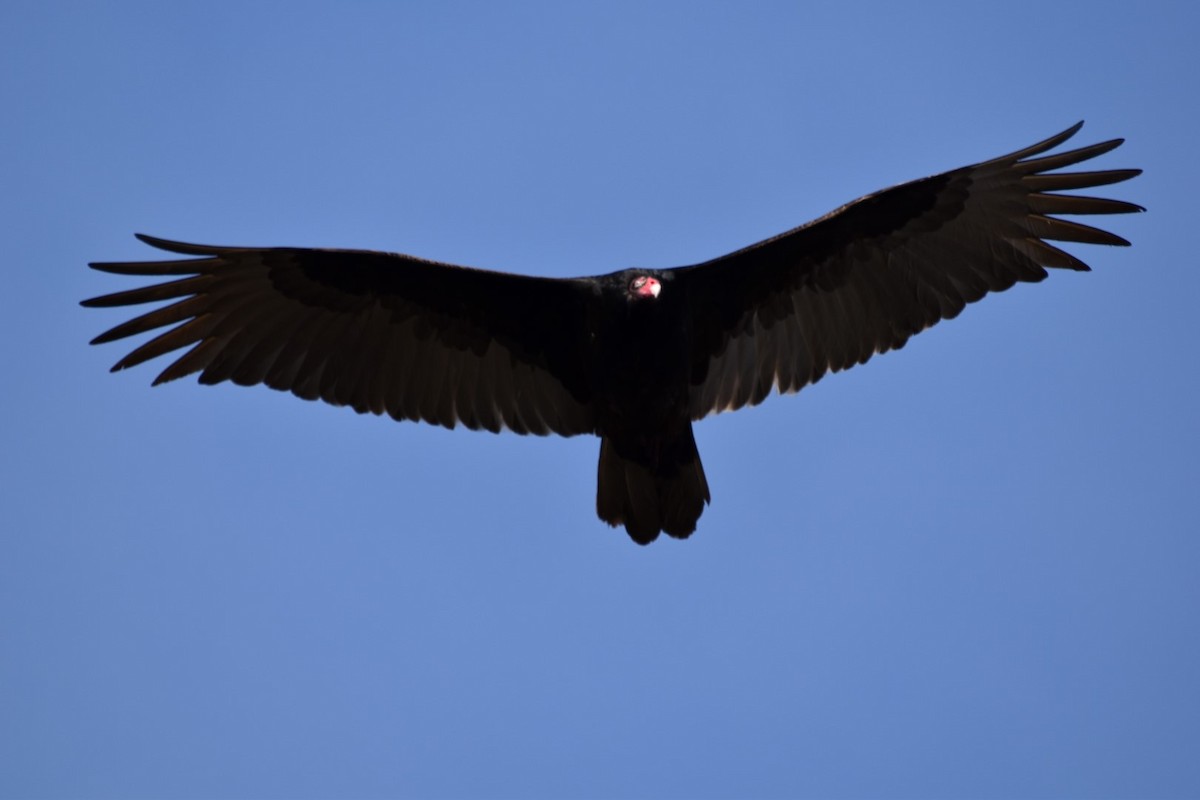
x=634 y=357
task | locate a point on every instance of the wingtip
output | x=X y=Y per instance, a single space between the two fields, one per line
x=175 y=246
x=1042 y=146
x=111 y=267
x=1068 y=133
x=122 y=267
x=169 y=245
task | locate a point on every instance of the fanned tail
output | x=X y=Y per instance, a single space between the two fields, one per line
x=649 y=498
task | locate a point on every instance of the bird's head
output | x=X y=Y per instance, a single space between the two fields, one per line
x=643 y=287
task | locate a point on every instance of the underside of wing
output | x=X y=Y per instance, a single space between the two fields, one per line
x=378 y=332
x=863 y=279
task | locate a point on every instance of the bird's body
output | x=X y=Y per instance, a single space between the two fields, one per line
x=650 y=476
x=636 y=356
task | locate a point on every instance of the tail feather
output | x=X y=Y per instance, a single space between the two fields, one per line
x=650 y=499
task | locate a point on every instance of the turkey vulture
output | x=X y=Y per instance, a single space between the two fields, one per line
x=636 y=356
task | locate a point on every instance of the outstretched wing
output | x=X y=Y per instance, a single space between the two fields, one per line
x=863 y=279
x=379 y=332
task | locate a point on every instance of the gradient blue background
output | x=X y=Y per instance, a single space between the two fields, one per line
x=968 y=568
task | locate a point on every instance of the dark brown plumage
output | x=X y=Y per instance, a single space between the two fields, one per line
x=635 y=356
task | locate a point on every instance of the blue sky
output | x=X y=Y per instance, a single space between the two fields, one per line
x=967 y=568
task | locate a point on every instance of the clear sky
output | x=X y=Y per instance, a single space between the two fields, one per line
x=966 y=569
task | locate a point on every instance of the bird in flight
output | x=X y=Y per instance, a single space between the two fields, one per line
x=633 y=357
